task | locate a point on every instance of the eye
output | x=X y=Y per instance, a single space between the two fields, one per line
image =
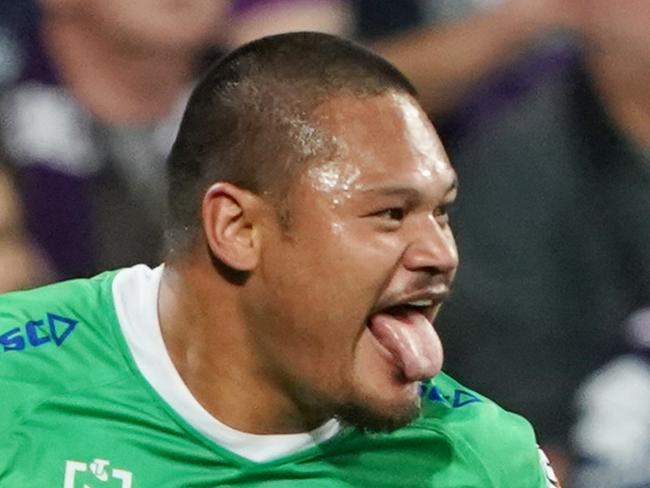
x=442 y=214
x=395 y=213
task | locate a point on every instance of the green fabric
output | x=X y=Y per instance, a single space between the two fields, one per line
x=72 y=399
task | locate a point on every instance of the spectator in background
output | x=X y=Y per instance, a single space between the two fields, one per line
x=251 y=19
x=17 y=19
x=443 y=59
x=553 y=226
x=90 y=118
x=612 y=435
x=21 y=265
x=450 y=57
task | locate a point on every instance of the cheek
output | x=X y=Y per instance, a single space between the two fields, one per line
x=324 y=283
x=321 y=301
x=355 y=268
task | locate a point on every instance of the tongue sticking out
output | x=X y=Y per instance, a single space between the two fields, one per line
x=412 y=341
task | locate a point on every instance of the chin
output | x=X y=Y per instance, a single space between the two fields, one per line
x=382 y=414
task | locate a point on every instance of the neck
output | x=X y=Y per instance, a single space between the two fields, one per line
x=623 y=87
x=208 y=338
x=116 y=82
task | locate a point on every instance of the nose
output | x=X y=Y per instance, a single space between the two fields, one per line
x=433 y=248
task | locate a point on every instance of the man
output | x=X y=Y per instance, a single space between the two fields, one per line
x=288 y=338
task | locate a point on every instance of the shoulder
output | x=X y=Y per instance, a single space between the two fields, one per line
x=51 y=337
x=54 y=321
x=502 y=442
x=447 y=402
x=49 y=315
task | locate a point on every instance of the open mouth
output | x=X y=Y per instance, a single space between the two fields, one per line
x=424 y=307
x=405 y=334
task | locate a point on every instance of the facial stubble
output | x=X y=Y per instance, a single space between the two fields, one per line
x=363 y=413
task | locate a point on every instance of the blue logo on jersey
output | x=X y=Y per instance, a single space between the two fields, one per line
x=54 y=328
x=459 y=399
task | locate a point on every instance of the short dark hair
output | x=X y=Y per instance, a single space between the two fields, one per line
x=248 y=123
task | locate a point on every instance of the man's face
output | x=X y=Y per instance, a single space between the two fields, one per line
x=350 y=290
x=156 y=24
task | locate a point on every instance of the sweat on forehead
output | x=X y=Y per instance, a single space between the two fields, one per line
x=249 y=121
x=278 y=116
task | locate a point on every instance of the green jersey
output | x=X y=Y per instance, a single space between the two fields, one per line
x=89 y=398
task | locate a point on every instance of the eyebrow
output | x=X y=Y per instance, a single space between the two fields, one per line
x=407 y=191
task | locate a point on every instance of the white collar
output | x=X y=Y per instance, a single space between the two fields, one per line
x=135 y=294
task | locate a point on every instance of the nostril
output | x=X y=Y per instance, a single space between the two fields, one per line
x=433 y=257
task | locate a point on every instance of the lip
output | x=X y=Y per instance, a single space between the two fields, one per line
x=436 y=295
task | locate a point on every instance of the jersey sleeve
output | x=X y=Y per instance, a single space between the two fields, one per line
x=509 y=448
x=52 y=340
x=498 y=442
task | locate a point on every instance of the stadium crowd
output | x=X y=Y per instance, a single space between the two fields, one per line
x=544 y=109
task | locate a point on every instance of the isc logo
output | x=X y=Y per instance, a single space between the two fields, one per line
x=35 y=333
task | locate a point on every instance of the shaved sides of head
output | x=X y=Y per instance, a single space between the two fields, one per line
x=249 y=120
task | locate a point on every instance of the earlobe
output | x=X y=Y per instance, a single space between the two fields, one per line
x=228 y=226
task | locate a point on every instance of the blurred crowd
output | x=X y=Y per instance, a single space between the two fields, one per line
x=543 y=105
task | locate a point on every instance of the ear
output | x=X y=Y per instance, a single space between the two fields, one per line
x=229 y=226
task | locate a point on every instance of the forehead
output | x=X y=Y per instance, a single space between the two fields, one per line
x=381 y=139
